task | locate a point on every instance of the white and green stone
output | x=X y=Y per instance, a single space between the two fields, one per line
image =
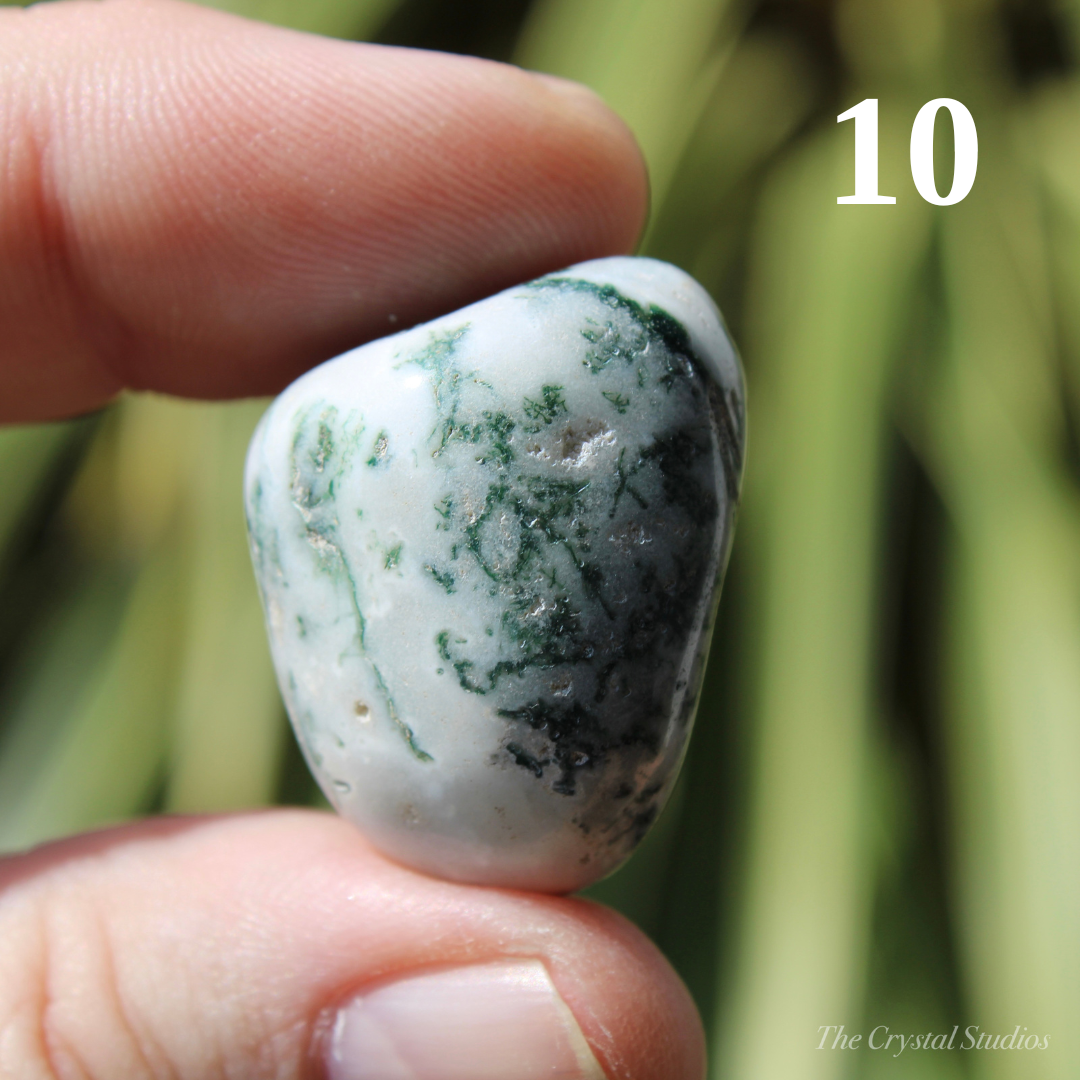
x=490 y=550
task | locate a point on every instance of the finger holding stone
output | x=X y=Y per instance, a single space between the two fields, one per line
x=202 y=205
x=282 y=945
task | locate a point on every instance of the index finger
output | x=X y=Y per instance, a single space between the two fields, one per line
x=201 y=205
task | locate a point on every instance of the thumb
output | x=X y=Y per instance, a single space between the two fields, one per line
x=281 y=945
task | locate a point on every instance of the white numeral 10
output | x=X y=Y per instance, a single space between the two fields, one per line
x=966 y=155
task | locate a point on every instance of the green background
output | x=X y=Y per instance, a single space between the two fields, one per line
x=879 y=821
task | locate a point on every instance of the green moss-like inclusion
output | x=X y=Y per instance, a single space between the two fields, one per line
x=652 y=321
x=318 y=461
x=529 y=530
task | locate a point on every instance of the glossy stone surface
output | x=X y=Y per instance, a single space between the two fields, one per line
x=490 y=550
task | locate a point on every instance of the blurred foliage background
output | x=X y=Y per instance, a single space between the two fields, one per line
x=879 y=822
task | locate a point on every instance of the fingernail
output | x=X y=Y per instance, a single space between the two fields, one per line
x=502 y=1021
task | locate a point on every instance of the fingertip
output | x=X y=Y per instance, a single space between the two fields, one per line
x=227 y=203
x=659 y=1030
x=257 y=931
x=624 y=165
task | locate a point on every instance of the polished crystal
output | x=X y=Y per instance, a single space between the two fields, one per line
x=490 y=549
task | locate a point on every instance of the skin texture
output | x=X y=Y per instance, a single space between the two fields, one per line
x=248 y=930
x=200 y=205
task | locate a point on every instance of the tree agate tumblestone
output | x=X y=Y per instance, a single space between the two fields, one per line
x=490 y=550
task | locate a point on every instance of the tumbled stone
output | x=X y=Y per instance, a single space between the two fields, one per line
x=490 y=550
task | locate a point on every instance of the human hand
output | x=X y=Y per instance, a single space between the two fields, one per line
x=198 y=205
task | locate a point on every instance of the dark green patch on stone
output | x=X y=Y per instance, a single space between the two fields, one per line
x=445 y=579
x=444 y=509
x=526 y=760
x=544 y=411
x=595 y=616
x=619 y=401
